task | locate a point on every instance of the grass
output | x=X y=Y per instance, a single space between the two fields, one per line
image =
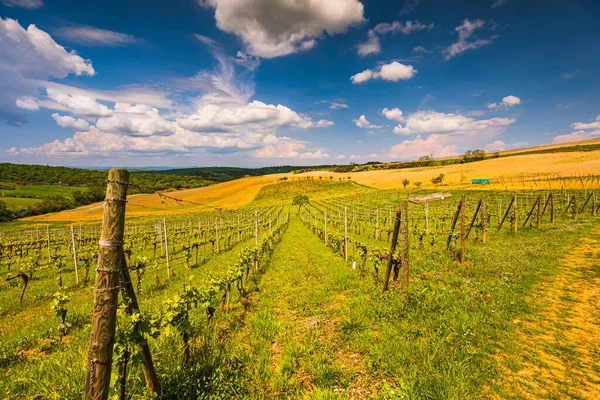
x=506 y=324
x=17 y=203
x=38 y=191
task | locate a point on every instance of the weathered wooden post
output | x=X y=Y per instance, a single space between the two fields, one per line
x=515 y=216
x=552 y=207
x=404 y=245
x=346 y=233
x=74 y=256
x=390 y=263
x=325 y=225
x=48 y=236
x=539 y=212
x=169 y=272
x=256 y=228
x=108 y=273
x=463 y=238
x=483 y=221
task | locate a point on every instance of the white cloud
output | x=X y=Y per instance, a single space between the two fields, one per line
x=335 y=106
x=136 y=120
x=27 y=56
x=273 y=28
x=465 y=41
x=421 y=49
x=436 y=144
x=423 y=122
x=499 y=3
x=341 y=157
x=394 y=114
x=362 y=122
x=92 y=36
x=256 y=116
x=507 y=102
x=288 y=149
x=401 y=27
x=28 y=4
x=79 y=104
x=27 y=103
x=371 y=46
x=392 y=72
x=496 y=145
x=68 y=122
x=587 y=126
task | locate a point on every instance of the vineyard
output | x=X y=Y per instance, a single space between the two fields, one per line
x=405 y=296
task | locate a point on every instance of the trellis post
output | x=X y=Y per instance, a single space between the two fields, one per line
x=104 y=315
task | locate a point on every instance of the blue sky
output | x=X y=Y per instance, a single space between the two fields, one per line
x=266 y=82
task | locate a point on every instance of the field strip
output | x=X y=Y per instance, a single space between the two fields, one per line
x=293 y=341
x=557 y=352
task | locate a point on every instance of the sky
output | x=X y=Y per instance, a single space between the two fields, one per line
x=250 y=83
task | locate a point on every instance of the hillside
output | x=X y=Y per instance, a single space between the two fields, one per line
x=518 y=172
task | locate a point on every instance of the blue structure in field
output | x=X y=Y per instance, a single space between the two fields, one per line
x=480 y=181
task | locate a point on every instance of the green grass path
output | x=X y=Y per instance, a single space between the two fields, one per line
x=295 y=341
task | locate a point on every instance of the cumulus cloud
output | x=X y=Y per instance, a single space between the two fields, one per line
x=362 y=122
x=507 y=102
x=371 y=46
x=136 y=120
x=584 y=131
x=465 y=38
x=288 y=149
x=423 y=122
x=394 y=114
x=392 y=72
x=496 y=145
x=436 y=144
x=68 y=122
x=28 y=4
x=27 y=103
x=79 y=104
x=27 y=56
x=273 y=28
x=92 y=36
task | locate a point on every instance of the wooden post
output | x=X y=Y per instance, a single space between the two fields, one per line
x=453 y=225
x=256 y=228
x=515 y=216
x=575 y=212
x=474 y=219
x=552 y=216
x=325 y=225
x=346 y=233
x=404 y=244
x=463 y=236
x=388 y=270
x=48 y=236
x=169 y=273
x=593 y=204
x=539 y=212
x=130 y=300
x=74 y=256
x=483 y=221
x=217 y=235
x=427 y=216
x=104 y=317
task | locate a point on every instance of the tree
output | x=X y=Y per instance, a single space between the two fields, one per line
x=418 y=185
x=474 y=155
x=405 y=183
x=299 y=200
x=438 y=179
x=5 y=214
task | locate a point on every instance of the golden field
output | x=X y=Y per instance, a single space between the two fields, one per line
x=536 y=171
